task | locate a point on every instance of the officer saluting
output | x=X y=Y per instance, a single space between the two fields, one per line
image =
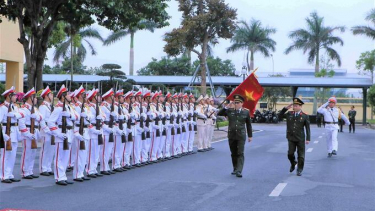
x=239 y=123
x=296 y=122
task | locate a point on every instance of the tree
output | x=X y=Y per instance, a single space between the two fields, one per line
x=273 y=94
x=315 y=38
x=202 y=21
x=218 y=67
x=167 y=66
x=37 y=19
x=366 y=30
x=113 y=71
x=118 y=35
x=366 y=63
x=252 y=37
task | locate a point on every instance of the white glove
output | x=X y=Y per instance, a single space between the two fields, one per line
x=108 y=129
x=167 y=116
x=155 y=127
x=121 y=117
x=140 y=130
x=146 y=129
x=195 y=112
x=29 y=135
x=128 y=130
x=11 y=114
x=78 y=136
x=176 y=125
x=95 y=131
x=99 y=117
x=214 y=117
x=65 y=113
x=83 y=114
x=133 y=115
x=6 y=137
x=61 y=135
x=149 y=113
x=191 y=113
x=144 y=116
x=160 y=115
x=34 y=116
x=180 y=113
x=194 y=123
x=113 y=114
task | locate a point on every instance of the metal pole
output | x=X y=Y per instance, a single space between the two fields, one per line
x=364 y=106
x=273 y=66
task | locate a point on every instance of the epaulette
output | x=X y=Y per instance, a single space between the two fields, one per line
x=291 y=112
x=2 y=104
x=59 y=105
x=246 y=109
x=303 y=113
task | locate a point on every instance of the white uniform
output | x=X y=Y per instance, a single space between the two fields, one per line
x=211 y=122
x=331 y=117
x=128 y=146
x=168 y=127
x=118 y=147
x=137 y=135
x=47 y=150
x=28 y=154
x=107 y=147
x=202 y=126
x=8 y=158
x=55 y=123
x=184 y=124
x=155 y=141
x=191 y=135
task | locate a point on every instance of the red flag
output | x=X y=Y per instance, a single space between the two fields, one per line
x=251 y=91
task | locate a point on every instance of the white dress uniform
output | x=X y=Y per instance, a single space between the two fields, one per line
x=8 y=158
x=118 y=148
x=155 y=152
x=107 y=147
x=184 y=124
x=176 y=141
x=202 y=125
x=128 y=146
x=160 y=151
x=93 y=146
x=28 y=154
x=55 y=124
x=331 y=117
x=146 y=144
x=137 y=132
x=168 y=127
x=47 y=150
x=191 y=136
x=211 y=120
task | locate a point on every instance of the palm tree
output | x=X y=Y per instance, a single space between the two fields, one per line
x=74 y=41
x=118 y=35
x=366 y=30
x=314 y=38
x=253 y=37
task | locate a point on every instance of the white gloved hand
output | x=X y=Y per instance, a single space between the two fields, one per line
x=29 y=135
x=95 y=131
x=167 y=115
x=155 y=127
x=129 y=130
x=144 y=116
x=33 y=116
x=65 y=113
x=194 y=123
x=11 y=114
x=113 y=114
x=99 y=117
x=108 y=130
x=61 y=135
x=180 y=113
x=133 y=115
x=121 y=117
x=195 y=112
x=119 y=132
x=78 y=136
x=160 y=115
x=149 y=113
x=140 y=130
x=213 y=117
x=83 y=114
x=147 y=129
x=6 y=137
x=176 y=125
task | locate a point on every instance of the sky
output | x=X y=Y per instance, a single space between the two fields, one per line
x=284 y=15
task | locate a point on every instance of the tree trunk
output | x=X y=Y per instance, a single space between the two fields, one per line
x=251 y=60
x=247 y=60
x=71 y=62
x=203 y=60
x=131 y=60
x=316 y=90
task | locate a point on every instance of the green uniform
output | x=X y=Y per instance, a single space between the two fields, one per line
x=239 y=124
x=295 y=133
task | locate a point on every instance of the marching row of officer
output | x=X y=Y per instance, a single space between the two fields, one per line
x=118 y=131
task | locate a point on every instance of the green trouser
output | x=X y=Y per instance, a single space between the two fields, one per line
x=300 y=146
x=237 y=149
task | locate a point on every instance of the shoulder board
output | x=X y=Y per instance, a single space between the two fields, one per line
x=59 y=105
x=246 y=109
x=303 y=113
x=2 y=104
x=291 y=112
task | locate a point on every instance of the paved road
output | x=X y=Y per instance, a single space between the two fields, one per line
x=203 y=181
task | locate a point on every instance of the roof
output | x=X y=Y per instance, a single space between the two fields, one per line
x=337 y=82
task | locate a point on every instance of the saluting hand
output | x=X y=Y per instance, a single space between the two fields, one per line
x=307 y=141
x=289 y=106
x=249 y=139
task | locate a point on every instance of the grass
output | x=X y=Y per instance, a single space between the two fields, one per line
x=371 y=121
x=223 y=123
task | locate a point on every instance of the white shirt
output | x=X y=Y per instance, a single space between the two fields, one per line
x=332 y=115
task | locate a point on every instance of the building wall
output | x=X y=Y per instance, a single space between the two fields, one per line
x=11 y=52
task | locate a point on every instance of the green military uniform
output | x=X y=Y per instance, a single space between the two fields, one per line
x=297 y=123
x=352 y=113
x=239 y=124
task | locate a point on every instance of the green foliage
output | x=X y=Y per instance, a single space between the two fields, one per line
x=167 y=66
x=273 y=94
x=218 y=67
x=112 y=70
x=2 y=90
x=223 y=123
x=366 y=63
x=371 y=95
x=366 y=30
x=252 y=37
x=315 y=38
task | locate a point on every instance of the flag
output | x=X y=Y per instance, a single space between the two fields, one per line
x=251 y=91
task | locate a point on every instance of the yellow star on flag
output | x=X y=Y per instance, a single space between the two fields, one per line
x=249 y=95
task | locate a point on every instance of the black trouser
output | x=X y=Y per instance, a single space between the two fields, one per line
x=352 y=125
x=237 y=149
x=318 y=122
x=300 y=147
x=341 y=122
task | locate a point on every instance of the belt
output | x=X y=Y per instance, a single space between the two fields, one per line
x=330 y=122
x=168 y=119
x=35 y=126
x=11 y=124
x=67 y=127
x=201 y=118
x=84 y=126
x=132 y=123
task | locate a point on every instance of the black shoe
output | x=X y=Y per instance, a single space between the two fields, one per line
x=169 y=158
x=28 y=177
x=45 y=174
x=193 y=153
x=334 y=152
x=127 y=167
x=211 y=148
x=35 y=176
x=98 y=175
x=50 y=173
x=6 y=181
x=200 y=150
x=105 y=173
x=111 y=172
x=62 y=182
x=233 y=172
x=299 y=173
x=124 y=168
x=137 y=165
x=329 y=155
x=85 y=178
x=238 y=174
x=92 y=175
x=69 y=182
x=350 y=131
x=69 y=169
x=15 y=180
x=292 y=167
x=78 y=180
x=118 y=170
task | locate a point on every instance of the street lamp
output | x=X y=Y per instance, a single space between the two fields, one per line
x=273 y=66
x=243 y=72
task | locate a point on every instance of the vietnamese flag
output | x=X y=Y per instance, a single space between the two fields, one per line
x=251 y=91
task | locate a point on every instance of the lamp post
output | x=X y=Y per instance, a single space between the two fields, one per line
x=273 y=66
